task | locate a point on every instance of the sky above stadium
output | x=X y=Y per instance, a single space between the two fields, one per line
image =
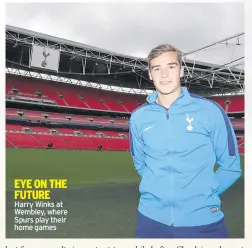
x=134 y=29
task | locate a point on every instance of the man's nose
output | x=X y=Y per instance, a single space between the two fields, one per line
x=164 y=72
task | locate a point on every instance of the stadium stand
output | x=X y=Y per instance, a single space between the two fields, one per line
x=88 y=98
x=231 y=104
x=84 y=98
x=23 y=140
x=64 y=138
x=72 y=95
x=59 y=117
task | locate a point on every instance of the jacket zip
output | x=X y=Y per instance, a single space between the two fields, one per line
x=172 y=181
x=171 y=191
x=167 y=114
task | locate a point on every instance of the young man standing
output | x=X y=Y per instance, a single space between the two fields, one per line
x=175 y=139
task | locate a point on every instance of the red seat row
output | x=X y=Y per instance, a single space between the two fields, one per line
x=59 y=117
x=27 y=140
x=231 y=104
x=66 y=138
x=89 y=98
x=73 y=95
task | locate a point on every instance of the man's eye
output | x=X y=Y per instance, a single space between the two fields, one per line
x=171 y=67
x=157 y=69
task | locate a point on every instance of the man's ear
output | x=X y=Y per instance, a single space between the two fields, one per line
x=182 y=71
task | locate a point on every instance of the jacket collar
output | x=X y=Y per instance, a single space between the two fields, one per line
x=184 y=98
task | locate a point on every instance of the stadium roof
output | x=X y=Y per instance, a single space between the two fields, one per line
x=80 y=62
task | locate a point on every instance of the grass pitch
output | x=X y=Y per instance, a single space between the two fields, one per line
x=79 y=167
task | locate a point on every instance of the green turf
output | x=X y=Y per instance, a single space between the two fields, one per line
x=78 y=167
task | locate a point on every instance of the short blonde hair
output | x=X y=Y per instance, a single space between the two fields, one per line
x=164 y=48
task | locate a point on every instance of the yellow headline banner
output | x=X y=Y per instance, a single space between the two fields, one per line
x=37 y=189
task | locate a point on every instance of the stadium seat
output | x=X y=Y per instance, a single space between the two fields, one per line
x=231 y=104
x=70 y=95
x=40 y=137
x=58 y=142
x=60 y=117
x=24 y=140
x=14 y=127
x=8 y=143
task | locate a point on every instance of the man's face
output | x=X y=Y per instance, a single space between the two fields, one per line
x=165 y=71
